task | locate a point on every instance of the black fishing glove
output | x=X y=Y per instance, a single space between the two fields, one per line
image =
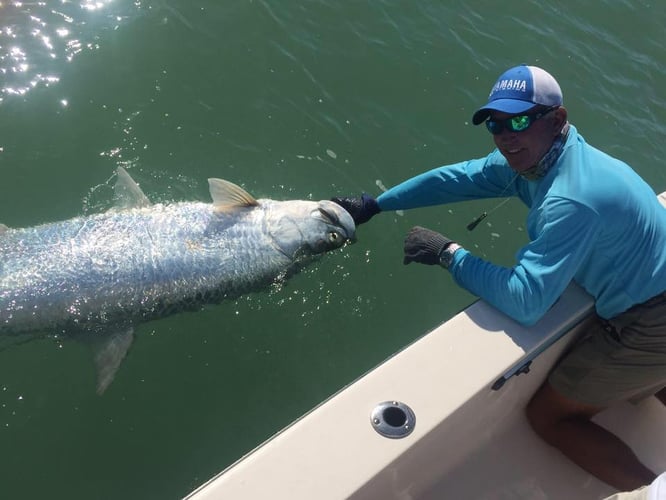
x=361 y=209
x=425 y=246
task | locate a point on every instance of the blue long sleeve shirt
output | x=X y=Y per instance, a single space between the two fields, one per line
x=591 y=219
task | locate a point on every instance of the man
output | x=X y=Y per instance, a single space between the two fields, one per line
x=591 y=219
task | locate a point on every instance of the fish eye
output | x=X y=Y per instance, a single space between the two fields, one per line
x=332 y=237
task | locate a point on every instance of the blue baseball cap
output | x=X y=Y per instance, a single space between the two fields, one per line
x=519 y=89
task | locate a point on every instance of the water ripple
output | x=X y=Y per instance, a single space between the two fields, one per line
x=36 y=39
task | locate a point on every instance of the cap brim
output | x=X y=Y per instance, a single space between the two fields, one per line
x=510 y=106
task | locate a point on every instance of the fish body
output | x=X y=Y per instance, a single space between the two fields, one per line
x=143 y=261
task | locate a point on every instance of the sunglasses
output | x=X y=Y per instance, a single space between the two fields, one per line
x=516 y=123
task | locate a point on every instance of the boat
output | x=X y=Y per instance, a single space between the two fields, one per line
x=444 y=418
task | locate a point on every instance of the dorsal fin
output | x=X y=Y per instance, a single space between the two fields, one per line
x=3 y=228
x=127 y=193
x=227 y=195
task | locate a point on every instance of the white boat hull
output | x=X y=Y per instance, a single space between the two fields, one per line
x=469 y=441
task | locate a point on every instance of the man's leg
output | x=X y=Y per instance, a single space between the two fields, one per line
x=566 y=425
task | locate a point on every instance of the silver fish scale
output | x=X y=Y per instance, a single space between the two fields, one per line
x=133 y=264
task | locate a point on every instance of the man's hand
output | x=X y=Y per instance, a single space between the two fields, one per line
x=361 y=209
x=424 y=246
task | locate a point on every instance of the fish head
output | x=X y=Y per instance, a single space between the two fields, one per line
x=301 y=228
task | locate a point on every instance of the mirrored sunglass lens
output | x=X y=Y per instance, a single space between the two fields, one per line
x=494 y=127
x=519 y=123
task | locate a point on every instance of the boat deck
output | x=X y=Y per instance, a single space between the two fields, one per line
x=467 y=385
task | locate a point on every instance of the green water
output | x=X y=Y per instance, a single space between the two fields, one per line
x=290 y=100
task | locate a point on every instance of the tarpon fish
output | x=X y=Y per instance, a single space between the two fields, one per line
x=98 y=275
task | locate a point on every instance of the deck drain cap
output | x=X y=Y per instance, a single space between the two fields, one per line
x=393 y=419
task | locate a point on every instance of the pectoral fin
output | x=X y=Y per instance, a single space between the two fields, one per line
x=109 y=354
x=127 y=193
x=227 y=195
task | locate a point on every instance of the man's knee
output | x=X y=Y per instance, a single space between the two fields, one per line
x=548 y=408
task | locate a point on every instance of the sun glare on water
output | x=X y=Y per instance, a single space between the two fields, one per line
x=37 y=39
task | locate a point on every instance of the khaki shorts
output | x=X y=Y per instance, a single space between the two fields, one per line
x=617 y=360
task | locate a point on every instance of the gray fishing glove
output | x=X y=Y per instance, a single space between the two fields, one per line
x=427 y=247
x=361 y=209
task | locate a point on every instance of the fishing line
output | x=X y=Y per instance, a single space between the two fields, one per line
x=477 y=221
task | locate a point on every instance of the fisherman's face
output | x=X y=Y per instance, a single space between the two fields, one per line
x=524 y=149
